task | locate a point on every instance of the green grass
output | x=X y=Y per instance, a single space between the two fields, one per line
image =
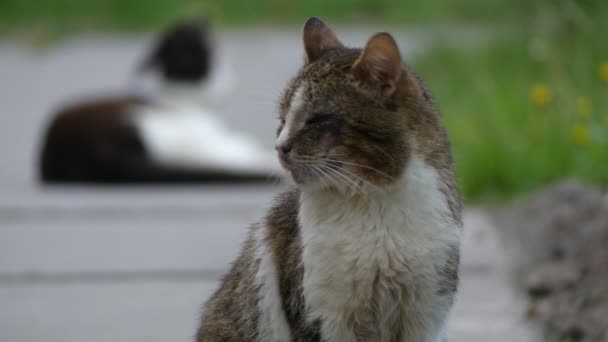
x=126 y=15
x=505 y=144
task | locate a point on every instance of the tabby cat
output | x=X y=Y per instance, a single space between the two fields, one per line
x=365 y=244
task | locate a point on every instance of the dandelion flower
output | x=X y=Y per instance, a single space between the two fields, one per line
x=583 y=107
x=579 y=133
x=603 y=71
x=540 y=95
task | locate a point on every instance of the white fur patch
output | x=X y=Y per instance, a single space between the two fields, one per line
x=188 y=136
x=402 y=233
x=296 y=102
x=272 y=323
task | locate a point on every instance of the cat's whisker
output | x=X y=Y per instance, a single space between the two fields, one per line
x=319 y=174
x=331 y=167
x=324 y=159
x=313 y=158
x=332 y=179
x=273 y=179
x=359 y=165
x=301 y=160
x=330 y=175
x=277 y=180
x=269 y=179
x=303 y=157
x=383 y=152
x=363 y=181
x=322 y=174
x=324 y=177
x=350 y=182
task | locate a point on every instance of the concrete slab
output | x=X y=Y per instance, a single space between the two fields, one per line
x=122 y=312
x=120 y=281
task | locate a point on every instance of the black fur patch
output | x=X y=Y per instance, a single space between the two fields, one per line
x=183 y=54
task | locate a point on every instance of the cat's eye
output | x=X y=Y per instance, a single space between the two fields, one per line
x=320 y=119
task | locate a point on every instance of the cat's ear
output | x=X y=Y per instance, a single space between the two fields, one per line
x=379 y=64
x=318 y=38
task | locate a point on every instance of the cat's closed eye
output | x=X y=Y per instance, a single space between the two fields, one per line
x=321 y=119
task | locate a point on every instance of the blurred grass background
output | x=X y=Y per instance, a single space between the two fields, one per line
x=69 y=15
x=525 y=109
x=530 y=107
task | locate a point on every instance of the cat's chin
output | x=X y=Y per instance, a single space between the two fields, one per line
x=300 y=178
x=305 y=180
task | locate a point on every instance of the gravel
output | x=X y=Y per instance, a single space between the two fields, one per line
x=560 y=242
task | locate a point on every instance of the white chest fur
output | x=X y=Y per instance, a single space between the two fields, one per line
x=372 y=265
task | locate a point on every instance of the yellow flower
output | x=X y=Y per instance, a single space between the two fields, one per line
x=540 y=95
x=579 y=133
x=583 y=107
x=603 y=71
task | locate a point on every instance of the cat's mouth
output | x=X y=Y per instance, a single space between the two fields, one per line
x=301 y=171
x=306 y=169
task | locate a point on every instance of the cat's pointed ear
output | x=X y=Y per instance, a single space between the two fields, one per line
x=379 y=64
x=318 y=38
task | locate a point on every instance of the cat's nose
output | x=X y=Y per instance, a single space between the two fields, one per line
x=283 y=148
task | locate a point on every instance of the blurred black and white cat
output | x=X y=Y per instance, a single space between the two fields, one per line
x=164 y=129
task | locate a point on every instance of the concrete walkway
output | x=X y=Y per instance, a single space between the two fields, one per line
x=135 y=263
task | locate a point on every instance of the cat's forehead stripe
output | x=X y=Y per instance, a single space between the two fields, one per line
x=297 y=100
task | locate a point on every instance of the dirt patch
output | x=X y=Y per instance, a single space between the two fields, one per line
x=560 y=239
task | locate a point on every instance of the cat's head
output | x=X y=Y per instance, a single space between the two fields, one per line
x=183 y=52
x=351 y=117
